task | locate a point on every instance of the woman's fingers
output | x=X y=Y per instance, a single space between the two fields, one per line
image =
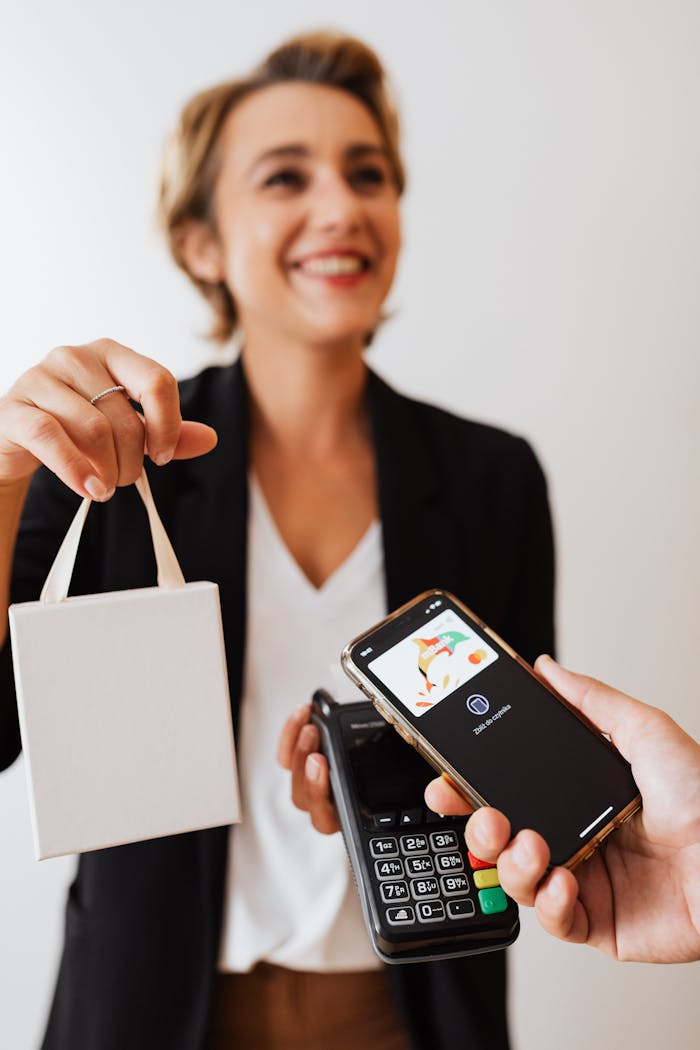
x=196 y=439
x=156 y=390
x=30 y=437
x=297 y=751
x=290 y=733
x=318 y=792
x=47 y=417
x=307 y=742
x=106 y=363
x=126 y=431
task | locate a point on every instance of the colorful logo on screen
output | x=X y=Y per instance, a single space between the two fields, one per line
x=430 y=649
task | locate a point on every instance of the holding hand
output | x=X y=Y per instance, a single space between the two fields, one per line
x=638 y=897
x=298 y=752
x=47 y=417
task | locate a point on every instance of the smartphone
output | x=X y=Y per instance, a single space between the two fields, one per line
x=483 y=719
x=423 y=896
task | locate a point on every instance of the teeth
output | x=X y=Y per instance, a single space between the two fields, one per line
x=334 y=264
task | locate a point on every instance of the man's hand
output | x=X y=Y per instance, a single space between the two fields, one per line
x=638 y=897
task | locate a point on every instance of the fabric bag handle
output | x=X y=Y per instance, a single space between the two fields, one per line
x=169 y=572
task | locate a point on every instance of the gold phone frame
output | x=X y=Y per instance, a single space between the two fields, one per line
x=412 y=736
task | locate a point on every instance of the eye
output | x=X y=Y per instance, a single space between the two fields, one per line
x=369 y=176
x=285 y=177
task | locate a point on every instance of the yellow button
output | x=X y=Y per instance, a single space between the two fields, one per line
x=485 y=879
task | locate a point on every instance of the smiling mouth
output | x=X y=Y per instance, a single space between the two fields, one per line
x=333 y=265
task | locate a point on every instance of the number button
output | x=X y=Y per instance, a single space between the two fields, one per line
x=388 y=869
x=440 y=840
x=453 y=885
x=463 y=909
x=384 y=847
x=393 y=892
x=420 y=866
x=414 y=844
x=430 y=911
x=425 y=888
x=449 y=862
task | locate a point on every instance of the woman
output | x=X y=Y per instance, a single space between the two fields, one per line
x=328 y=499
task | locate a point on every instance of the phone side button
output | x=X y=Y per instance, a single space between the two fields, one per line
x=400 y=916
x=404 y=734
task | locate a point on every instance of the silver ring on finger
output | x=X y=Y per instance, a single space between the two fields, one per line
x=109 y=390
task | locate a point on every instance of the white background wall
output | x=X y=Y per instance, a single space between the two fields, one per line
x=549 y=284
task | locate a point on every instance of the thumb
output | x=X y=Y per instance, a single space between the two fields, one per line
x=613 y=712
x=195 y=440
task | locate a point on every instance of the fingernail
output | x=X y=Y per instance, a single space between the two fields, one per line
x=521 y=854
x=96 y=489
x=162 y=458
x=312 y=768
x=307 y=737
x=555 y=890
x=476 y=834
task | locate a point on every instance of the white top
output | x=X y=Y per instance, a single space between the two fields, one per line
x=290 y=897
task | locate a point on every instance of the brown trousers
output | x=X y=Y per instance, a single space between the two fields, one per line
x=272 y=1008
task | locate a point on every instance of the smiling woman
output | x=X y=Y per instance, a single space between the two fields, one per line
x=328 y=498
x=195 y=154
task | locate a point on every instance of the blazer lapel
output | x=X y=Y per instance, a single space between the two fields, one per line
x=421 y=549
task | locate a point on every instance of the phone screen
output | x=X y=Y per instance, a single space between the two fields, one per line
x=518 y=746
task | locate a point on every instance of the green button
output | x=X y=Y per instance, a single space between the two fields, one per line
x=492 y=901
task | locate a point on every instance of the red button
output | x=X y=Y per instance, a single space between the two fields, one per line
x=478 y=864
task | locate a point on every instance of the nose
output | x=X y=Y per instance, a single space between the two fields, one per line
x=336 y=207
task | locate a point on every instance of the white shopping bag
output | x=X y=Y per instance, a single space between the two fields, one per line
x=123 y=706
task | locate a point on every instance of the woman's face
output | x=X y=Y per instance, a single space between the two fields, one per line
x=307 y=215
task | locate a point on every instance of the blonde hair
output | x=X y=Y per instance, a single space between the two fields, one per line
x=191 y=162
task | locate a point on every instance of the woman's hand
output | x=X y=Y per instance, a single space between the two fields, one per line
x=637 y=898
x=298 y=752
x=46 y=417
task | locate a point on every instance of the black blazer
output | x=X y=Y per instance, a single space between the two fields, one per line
x=464 y=507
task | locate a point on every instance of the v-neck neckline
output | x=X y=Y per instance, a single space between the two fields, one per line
x=341 y=571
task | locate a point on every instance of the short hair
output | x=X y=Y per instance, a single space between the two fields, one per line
x=191 y=162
